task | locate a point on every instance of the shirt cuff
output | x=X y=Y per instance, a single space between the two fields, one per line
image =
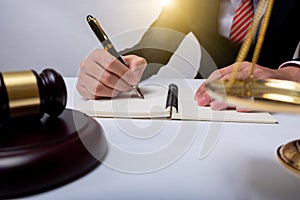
x=295 y=63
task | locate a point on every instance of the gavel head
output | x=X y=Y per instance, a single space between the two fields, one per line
x=31 y=95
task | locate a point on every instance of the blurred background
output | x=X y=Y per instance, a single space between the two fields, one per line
x=36 y=34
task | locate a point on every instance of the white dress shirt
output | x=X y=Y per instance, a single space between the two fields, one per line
x=227 y=12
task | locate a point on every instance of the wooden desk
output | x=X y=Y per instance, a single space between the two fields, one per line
x=241 y=164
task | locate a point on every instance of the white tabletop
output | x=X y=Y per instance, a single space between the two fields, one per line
x=166 y=159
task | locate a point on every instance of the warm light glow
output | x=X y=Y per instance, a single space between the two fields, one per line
x=165 y=2
x=282 y=85
x=279 y=97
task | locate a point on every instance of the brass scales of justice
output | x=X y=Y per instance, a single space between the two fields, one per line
x=270 y=95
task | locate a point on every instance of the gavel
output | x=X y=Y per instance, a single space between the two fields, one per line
x=26 y=94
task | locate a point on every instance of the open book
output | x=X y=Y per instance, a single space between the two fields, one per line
x=170 y=102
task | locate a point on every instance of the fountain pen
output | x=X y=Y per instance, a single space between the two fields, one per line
x=108 y=46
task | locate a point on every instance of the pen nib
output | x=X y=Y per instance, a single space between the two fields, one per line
x=139 y=92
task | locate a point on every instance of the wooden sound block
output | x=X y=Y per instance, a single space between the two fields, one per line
x=36 y=156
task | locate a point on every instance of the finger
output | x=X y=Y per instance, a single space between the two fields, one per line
x=85 y=93
x=137 y=66
x=91 y=68
x=109 y=63
x=95 y=88
x=133 y=60
x=113 y=81
x=216 y=75
x=216 y=105
x=202 y=99
x=201 y=90
x=105 y=77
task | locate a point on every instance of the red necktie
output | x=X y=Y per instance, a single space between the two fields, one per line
x=241 y=22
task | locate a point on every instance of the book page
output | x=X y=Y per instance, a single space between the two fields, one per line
x=189 y=110
x=128 y=104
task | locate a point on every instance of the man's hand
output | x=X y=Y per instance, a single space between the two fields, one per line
x=203 y=98
x=103 y=75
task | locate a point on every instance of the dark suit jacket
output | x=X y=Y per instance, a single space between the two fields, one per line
x=201 y=18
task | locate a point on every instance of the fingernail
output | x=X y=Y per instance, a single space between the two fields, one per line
x=201 y=100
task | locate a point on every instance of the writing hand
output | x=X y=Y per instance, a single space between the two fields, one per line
x=103 y=75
